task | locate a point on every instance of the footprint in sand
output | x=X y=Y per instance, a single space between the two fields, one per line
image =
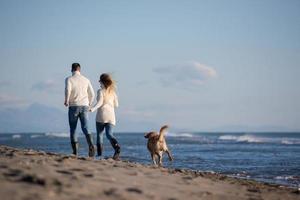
x=253 y=190
x=111 y=192
x=83 y=158
x=3 y=167
x=52 y=154
x=59 y=160
x=12 y=173
x=88 y=175
x=134 y=190
x=64 y=172
x=10 y=154
x=33 y=179
x=57 y=183
x=77 y=169
x=187 y=178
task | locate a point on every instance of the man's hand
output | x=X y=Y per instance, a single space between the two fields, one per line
x=66 y=104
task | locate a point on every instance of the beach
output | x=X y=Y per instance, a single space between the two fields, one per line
x=30 y=174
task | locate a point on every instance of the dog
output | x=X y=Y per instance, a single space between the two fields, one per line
x=157 y=145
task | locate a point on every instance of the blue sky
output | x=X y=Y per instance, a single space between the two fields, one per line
x=197 y=65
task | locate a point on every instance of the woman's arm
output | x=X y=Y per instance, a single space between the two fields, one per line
x=116 y=101
x=99 y=101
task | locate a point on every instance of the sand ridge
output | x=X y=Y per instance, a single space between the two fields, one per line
x=29 y=174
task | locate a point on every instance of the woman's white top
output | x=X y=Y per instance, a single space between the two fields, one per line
x=105 y=107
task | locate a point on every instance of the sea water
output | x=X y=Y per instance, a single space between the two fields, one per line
x=265 y=157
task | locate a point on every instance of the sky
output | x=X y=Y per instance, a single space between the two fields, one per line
x=203 y=65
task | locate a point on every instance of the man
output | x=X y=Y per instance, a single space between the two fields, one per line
x=79 y=95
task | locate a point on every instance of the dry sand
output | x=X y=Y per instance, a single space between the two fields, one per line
x=29 y=174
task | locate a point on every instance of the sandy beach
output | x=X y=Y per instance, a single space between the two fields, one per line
x=29 y=174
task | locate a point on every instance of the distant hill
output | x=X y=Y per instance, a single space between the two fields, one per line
x=35 y=118
x=42 y=118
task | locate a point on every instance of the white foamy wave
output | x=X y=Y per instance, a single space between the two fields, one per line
x=257 y=139
x=250 y=138
x=243 y=138
x=290 y=141
x=17 y=136
x=228 y=137
x=57 y=134
x=287 y=177
x=35 y=136
x=179 y=135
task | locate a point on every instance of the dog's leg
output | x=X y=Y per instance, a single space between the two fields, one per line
x=153 y=158
x=159 y=155
x=169 y=155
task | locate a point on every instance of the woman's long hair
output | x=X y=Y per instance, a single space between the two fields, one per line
x=108 y=84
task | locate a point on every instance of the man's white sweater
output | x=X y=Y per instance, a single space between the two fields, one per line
x=78 y=90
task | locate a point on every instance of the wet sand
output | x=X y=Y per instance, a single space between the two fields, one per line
x=29 y=174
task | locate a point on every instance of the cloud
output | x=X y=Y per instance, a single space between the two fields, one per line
x=47 y=85
x=8 y=100
x=5 y=84
x=187 y=75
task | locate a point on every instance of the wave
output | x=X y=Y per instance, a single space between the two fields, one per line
x=179 y=135
x=191 y=137
x=258 y=139
x=35 y=136
x=243 y=138
x=64 y=135
x=287 y=177
x=290 y=141
x=228 y=137
x=17 y=136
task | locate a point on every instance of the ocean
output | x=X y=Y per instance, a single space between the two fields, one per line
x=265 y=157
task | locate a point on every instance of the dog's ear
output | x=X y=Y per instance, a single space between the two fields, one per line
x=147 y=135
x=150 y=134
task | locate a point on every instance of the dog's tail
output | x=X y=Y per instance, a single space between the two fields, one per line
x=162 y=131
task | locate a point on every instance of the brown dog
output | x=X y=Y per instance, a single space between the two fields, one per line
x=157 y=145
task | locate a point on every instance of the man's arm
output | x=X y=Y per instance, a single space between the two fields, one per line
x=91 y=93
x=99 y=101
x=67 y=91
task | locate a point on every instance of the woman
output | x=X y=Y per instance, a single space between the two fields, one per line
x=107 y=100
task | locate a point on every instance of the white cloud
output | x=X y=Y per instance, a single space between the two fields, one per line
x=187 y=75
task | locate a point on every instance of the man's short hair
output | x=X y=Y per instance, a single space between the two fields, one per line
x=75 y=67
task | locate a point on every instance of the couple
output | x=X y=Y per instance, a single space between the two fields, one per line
x=79 y=96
